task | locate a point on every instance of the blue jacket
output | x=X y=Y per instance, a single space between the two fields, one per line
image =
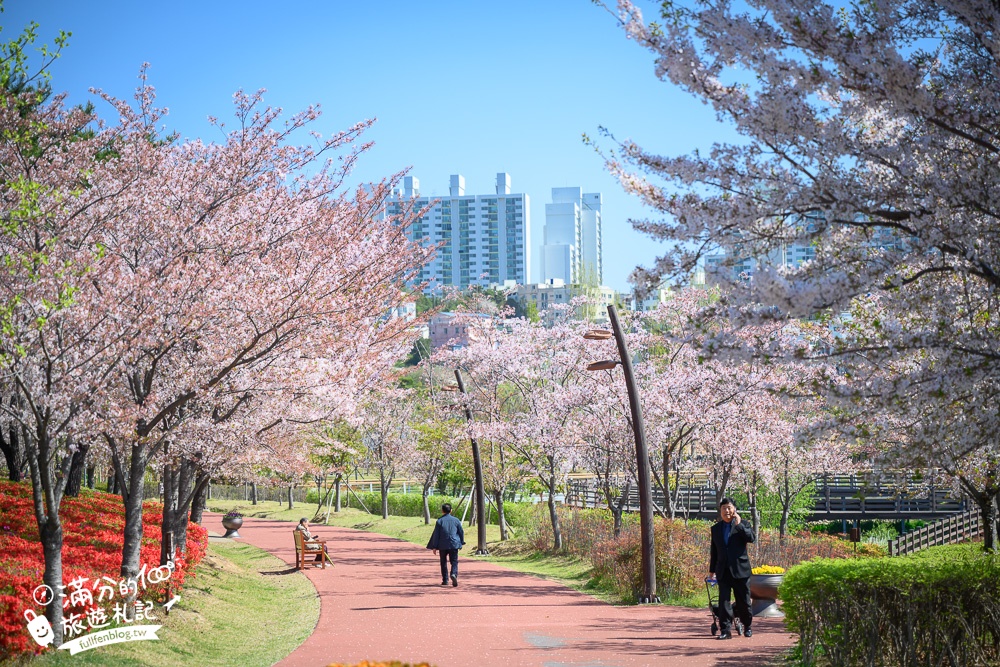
x=448 y=534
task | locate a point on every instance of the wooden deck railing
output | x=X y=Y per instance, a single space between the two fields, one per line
x=959 y=528
x=846 y=497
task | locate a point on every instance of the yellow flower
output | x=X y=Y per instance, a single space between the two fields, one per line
x=768 y=569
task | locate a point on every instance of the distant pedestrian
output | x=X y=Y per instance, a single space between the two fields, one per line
x=447 y=538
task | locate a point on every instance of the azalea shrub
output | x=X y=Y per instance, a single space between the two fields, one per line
x=92 y=548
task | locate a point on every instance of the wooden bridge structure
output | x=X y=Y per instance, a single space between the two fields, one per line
x=859 y=496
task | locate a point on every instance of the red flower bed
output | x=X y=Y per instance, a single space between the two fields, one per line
x=92 y=548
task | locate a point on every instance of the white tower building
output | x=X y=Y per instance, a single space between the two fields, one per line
x=571 y=251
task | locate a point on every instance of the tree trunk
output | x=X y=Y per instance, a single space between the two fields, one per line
x=90 y=476
x=336 y=492
x=427 y=509
x=200 y=498
x=754 y=512
x=384 y=489
x=666 y=484
x=132 y=492
x=14 y=454
x=557 y=541
x=253 y=493
x=176 y=512
x=76 y=469
x=291 y=505
x=52 y=542
x=319 y=495
x=47 y=487
x=501 y=517
x=987 y=508
x=169 y=483
x=618 y=509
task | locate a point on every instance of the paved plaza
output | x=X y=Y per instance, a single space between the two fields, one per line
x=383 y=601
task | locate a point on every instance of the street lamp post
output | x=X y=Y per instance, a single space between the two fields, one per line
x=477 y=463
x=641 y=452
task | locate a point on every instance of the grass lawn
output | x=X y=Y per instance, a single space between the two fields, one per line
x=571 y=571
x=243 y=607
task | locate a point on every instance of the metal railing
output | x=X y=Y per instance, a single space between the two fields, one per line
x=958 y=528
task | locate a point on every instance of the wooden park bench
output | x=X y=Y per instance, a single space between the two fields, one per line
x=301 y=551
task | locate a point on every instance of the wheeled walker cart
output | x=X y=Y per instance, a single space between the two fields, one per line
x=712 y=588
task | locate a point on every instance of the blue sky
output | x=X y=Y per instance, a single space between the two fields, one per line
x=457 y=87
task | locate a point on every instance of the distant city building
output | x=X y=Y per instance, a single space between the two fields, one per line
x=718 y=268
x=787 y=255
x=451 y=329
x=571 y=249
x=485 y=239
x=555 y=292
x=651 y=301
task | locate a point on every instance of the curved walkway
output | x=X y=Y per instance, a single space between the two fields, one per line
x=383 y=601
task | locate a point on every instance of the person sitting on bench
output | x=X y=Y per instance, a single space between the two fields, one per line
x=308 y=537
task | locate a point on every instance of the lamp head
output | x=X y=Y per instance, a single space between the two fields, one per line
x=598 y=334
x=605 y=365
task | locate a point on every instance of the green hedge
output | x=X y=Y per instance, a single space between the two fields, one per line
x=940 y=607
x=518 y=515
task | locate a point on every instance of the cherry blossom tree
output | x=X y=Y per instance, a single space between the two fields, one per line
x=870 y=137
x=336 y=446
x=388 y=435
x=539 y=368
x=496 y=403
x=188 y=288
x=438 y=435
x=64 y=175
x=608 y=454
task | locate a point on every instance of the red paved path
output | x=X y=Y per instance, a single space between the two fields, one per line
x=383 y=601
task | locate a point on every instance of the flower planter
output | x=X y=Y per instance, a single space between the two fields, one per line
x=232 y=525
x=764 y=593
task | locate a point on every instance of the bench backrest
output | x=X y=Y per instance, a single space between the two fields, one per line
x=297 y=534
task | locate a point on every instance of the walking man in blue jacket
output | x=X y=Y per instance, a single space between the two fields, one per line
x=447 y=538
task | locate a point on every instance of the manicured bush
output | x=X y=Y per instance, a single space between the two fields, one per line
x=412 y=504
x=92 y=548
x=941 y=607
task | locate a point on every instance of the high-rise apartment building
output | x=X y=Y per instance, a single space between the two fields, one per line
x=485 y=239
x=720 y=268
x=571 y=249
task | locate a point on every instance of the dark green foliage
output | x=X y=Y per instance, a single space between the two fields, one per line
x=939 y=607
x=421 y=350
x=769 y=506
x=412 y=504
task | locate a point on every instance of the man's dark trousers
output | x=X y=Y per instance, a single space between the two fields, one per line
x=448 y=555
x=741 y=587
